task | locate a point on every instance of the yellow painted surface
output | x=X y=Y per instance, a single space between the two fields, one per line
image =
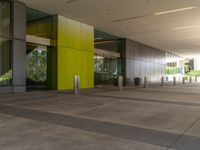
x=75 y=53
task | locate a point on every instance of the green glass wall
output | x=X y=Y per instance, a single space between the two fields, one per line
x=40 y=24
x=5 y=43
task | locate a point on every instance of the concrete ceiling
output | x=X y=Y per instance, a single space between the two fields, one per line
x=177 y=31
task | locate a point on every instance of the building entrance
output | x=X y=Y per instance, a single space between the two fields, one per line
x=106 y=67
x=36 y=66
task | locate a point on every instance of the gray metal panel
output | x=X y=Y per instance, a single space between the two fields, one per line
x=162 y=70
x=19 y=21
x=19 y=63
x=148 y=54
x=152 y=71
x=19 y=89
x=143 y=69
x=137 y=68
x=127 y=68
x=132 y=51
x=137 y=51
x=128 y=46
x=159 y=71
x=143 y=52
x=152 y=55
x=156 y=72
x=5 y=89
x=164 y=59
x=145 y=61
x=159 y=56
x=156 y=56
x=148 y=70
x=132 y=68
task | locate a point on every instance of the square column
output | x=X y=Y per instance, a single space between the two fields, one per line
x=19 y=47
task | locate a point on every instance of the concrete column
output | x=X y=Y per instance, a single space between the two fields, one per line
x=190 y=79
x=174 y=80
x=162 y=81
x=167 y=79
x=120 y=82
x=183 y=80
x=19 y=47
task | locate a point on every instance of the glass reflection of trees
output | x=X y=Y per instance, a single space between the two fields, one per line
x=36 y=68
x=5 y=44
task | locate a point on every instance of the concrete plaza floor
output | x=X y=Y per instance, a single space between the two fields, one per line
x=159 y=118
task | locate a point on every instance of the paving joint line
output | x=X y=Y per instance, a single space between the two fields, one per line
x=148 y=100
x=171 y=92
x=181 y=135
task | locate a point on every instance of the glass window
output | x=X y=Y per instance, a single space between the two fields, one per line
x=36 y=66
x=5 y=18
x=39 y=24
x=5 y=62
x=5 y=43
x=106 y=70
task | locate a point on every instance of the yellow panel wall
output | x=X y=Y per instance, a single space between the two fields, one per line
x=75 y=53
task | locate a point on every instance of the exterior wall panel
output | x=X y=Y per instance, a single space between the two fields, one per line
x=75 y=53
x=143 y=61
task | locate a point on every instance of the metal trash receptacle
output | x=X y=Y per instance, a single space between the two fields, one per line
x=137 y=81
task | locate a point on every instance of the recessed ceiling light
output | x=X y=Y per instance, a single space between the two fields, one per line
x=131 y=18
x=99 y=38
x=70 y=1
x=159 y=13
x=187 y=27
x=174 y=10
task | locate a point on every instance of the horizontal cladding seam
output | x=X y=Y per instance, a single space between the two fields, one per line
x=19 y=39
x=85 y=50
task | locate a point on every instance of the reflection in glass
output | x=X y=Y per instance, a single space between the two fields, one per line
x=174 y=67
x=106 y=70
x=5 y=18
x=36 y=66
x=5 y=65
x=39 y=24
x=5 y=44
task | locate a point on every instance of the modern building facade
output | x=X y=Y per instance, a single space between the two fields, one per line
x=42 y=51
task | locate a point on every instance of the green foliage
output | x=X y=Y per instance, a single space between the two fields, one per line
x=6 y=78
x=36 y=69
x=193 y=73
x=173 y=70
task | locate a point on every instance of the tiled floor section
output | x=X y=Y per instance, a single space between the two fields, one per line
x=102 y=119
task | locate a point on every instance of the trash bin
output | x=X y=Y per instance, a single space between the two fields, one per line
x=115 y=80
x=137 y=81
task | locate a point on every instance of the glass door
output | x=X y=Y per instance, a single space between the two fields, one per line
x=36 y=66
x=106 y=70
